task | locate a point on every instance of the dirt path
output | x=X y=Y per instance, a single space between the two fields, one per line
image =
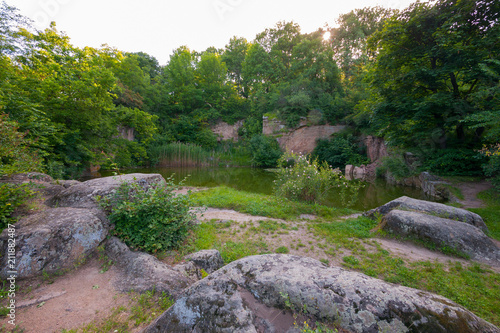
x=66 y=302
x=470 y=191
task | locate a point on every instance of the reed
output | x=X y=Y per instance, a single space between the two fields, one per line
x=180 y=154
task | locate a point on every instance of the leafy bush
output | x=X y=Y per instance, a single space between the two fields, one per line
x=150 y=218
x=11 y=197
x=311 y=181
x=339 y=151
x=453 y=162
x=16 y=155
x=492 y=168
x=265 y=151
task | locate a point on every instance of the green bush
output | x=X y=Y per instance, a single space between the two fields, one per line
x=453 y=162
x=16 y=154
x=265 y=151
x=11 y=197
x=151 y=218
x=492 y=168
x=339 y=151
x=310 y=181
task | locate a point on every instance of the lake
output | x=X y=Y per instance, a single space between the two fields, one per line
x=257 y=180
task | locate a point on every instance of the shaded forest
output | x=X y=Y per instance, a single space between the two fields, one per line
x=426 y=79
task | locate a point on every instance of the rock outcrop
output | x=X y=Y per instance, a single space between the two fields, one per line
x=303 y=139
x=52 y=240
x=226 y=131
x=458 y=236
x=375 y=148
x=252 y=295
x=82 y=195
x=433 y=208
x=208 y=260
x=140 y=271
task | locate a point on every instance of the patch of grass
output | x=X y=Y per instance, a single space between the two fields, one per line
x=269 y=227
x=342 y=232
x=209 y=236
x=263 y=205
x=491 y=213
x=282 y=249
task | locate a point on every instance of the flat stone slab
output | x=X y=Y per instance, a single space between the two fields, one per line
x=432 y=208
x=253 y=295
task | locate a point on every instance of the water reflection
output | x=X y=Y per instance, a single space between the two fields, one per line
x=261 y=181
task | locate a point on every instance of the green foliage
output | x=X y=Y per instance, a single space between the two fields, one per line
x=151 y=218
x=16 y=155
x=262 y=205
x=311 y=181
x=339 y=151
x=11 y=197
x=265 y=151
x=453 y=162
x=492 y=168
x=431 y=73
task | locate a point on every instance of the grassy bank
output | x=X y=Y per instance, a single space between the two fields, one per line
x=263 y=205
x=490 y=213
x=349 y=243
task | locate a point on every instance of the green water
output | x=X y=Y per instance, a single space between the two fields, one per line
x=261 y=181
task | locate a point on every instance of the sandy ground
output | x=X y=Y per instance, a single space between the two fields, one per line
x=79 y=297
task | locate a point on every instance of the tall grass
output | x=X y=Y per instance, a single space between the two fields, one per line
x=180 y=154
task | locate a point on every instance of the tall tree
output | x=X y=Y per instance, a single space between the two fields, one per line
x=431 y=68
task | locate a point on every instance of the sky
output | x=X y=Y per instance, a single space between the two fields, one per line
x=158 y=27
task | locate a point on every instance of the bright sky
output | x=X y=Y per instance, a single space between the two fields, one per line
x=157 y=27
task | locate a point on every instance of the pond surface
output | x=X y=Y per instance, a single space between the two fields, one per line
x=256 y=180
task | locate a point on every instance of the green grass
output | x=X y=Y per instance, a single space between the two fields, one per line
x=263 y=205
x=491 y=213
x=474 y=287
x=210 y=235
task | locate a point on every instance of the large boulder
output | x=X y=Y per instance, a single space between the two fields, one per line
x=52 y=240
x=431 y=208
x=441 y=232
x=252 y=295
x=83 y=195
x=141 y=272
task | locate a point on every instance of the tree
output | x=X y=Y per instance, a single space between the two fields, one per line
x=430 y=71
x=233 y=57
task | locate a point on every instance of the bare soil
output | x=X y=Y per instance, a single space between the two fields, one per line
x=470 y=192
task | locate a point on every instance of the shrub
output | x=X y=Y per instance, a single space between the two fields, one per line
x=453 y=162
x=265 y=151
x=312 y=181
x=150 y=218
x=492 y=168
x=339 y=151
x=282 y=249
x=11 y=197
x=16 y=155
